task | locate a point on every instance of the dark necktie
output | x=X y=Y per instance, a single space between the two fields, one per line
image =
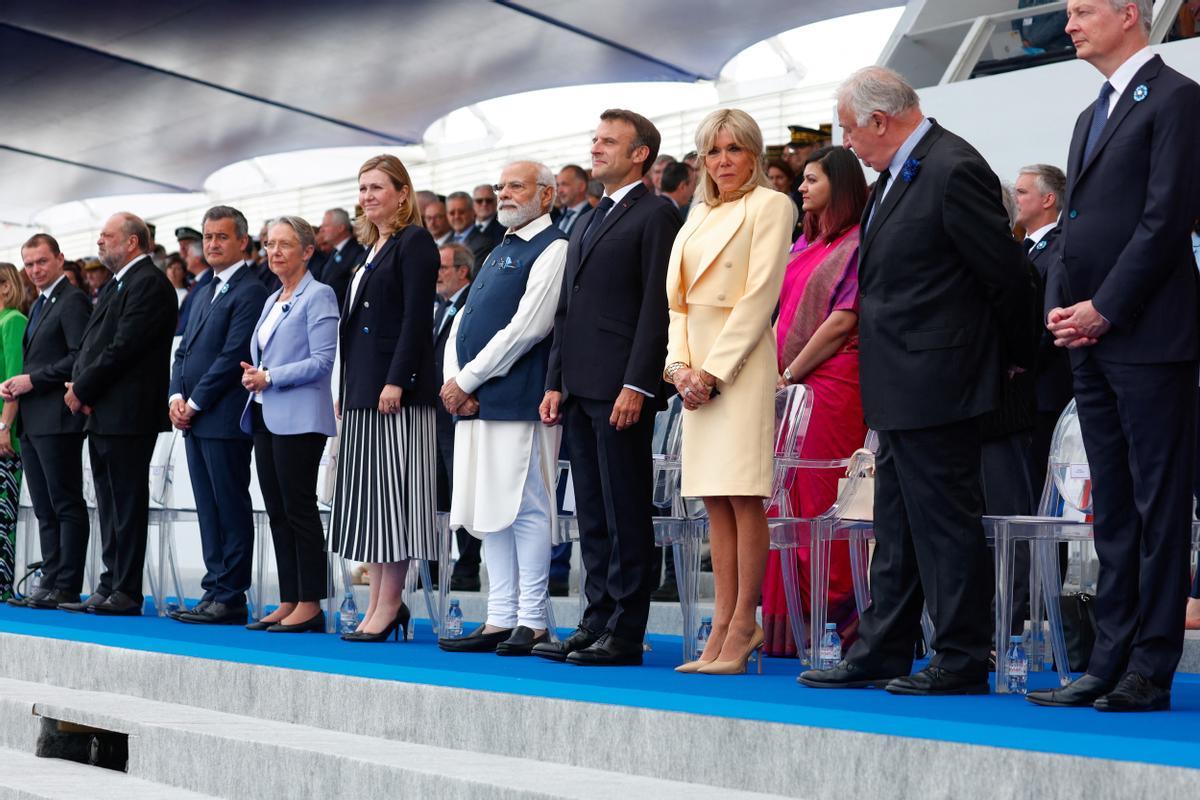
x=880 y=188
x=1029 y=243
x=597 y=220
x=438 y=314
x=564 y=222
x=35 y=313
x=1099 y=119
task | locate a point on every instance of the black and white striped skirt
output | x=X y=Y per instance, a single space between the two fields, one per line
x=386 y=492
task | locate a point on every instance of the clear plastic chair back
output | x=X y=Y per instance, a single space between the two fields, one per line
x=1068 y=468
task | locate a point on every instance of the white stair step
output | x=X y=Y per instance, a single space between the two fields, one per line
x=182 y=746
x=27 y=777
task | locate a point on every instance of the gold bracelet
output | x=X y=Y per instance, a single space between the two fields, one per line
x=672 y=368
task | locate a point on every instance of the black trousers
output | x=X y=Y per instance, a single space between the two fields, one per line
x=613 y=476
x=287 y=475
x=121 y=472
x=220 y=474
x=54 y=473
x=929 y=550
x=1139 y=427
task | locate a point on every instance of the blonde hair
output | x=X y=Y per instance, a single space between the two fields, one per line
x=12 y=293
x=746 y=133
x=408 y=213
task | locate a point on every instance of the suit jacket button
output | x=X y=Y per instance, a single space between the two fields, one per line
x=469 y=310
x=576 y=287
x=721 y=296
x=366 y=329
x=366 y=303
x=1073 y=214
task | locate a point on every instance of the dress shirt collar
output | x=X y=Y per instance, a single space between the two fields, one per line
x=49 y=290
x=619 y=194
x=906 y=149
x=532 y=229
x=1041 y=232
x=121 y=275
x=228 y=273
x=452 y=299
x=337 y=248
x=1123 y=75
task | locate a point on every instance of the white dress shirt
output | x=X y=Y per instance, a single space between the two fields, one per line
x=1123 y=75
x=1040 y=233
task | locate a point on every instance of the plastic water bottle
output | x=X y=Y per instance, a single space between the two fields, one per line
x=454 y=621
x=830 y=651
x=702 y=636
x=1018 y=665
x=348 y=614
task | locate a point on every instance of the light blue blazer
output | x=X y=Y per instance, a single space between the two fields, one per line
x=299 y=356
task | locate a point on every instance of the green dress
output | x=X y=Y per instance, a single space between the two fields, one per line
x=12 y=336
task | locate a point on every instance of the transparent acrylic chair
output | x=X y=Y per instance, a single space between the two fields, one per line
x=568 y=531
x=162 y=564
x=1064 y=515
x=682 y=531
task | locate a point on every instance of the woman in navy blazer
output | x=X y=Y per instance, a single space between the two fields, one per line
x=290 y=414
x=384 y=503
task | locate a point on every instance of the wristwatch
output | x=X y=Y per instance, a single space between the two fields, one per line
x=267 y=376
x=3 y=426
x=787 y=374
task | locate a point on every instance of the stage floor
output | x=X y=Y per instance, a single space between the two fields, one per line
x=1170 y=739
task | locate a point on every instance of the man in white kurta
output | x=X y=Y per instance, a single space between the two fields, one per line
x=505 y=469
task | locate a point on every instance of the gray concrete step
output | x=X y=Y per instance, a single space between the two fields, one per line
x=224 y=754
x=27 y=777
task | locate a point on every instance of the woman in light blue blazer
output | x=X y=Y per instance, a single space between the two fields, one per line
x=290 y=414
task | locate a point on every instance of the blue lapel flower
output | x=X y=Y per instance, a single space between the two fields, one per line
x=910 y=170
x=224 y=287
x=1141 y=93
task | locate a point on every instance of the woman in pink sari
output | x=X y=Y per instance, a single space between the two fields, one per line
x=818 y=346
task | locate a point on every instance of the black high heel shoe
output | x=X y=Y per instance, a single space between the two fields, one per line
x=315 y=624
x=403 y=616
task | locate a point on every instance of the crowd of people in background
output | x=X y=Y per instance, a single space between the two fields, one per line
x=481 y=336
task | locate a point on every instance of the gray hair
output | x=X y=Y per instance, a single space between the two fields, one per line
x=300 y=226
x=459 y=196
x=463 y=257
x=1007 y=197
x=1145 y=10
x=133 y=225
x=1050 y=180
x=240 y=226
x=872 y=89
x=340 y=217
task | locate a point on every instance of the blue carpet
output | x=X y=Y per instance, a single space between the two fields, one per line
x=999 y=720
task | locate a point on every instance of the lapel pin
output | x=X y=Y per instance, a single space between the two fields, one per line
x=1041 y=245
x=910 y=170
x=224 y=287
x=1141 y=93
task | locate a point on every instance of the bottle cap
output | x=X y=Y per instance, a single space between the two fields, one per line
x=706 y=620
x=454 y=601
x=831 y=626
x=1015 y=639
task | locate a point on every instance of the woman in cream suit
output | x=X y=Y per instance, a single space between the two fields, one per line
x=723 y=282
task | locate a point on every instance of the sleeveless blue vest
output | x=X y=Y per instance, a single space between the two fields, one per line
x=490 y=306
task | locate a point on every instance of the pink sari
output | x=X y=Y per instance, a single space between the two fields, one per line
x=821 y=278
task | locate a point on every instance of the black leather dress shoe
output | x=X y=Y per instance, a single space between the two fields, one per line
x=49 y=601
x=314 y=624
x=846 y=675
x=176 y=613
x=259 y=626
x=608 y=651
x=521 y=642
x=476 y=642
x=667 y=593
x=85 y=606
x=1135 y=693
x=581 y=639
x=464 y=583
x=1083 y=691
x=119 y=604
x=22 y=602
x=933 y=681
x=216 y=614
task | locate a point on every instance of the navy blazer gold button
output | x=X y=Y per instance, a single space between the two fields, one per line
x=1073 y=214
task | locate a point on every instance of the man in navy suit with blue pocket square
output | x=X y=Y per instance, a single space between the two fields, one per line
x=206 y=402
x=1123 y=300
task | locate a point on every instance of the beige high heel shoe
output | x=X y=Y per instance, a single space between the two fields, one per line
x=736 y=666
x=693 y=666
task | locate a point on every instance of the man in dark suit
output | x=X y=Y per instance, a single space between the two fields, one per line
x=678 y=186
x=1039 y=192
x=1124 y=297
x=571 y=196
x=484 y=198
x=51 y=437
x=119 y=382
x=344 y=253
x=461 y=215
x=944 y=292
x=453 y=284
x=206 y=403
x=604 y=384
x=193 y=258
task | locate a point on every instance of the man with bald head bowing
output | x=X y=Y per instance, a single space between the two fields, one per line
x=119 y=383
x=945 y=299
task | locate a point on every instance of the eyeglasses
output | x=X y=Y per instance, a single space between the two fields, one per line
x=516 y=186
x=479 y=201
